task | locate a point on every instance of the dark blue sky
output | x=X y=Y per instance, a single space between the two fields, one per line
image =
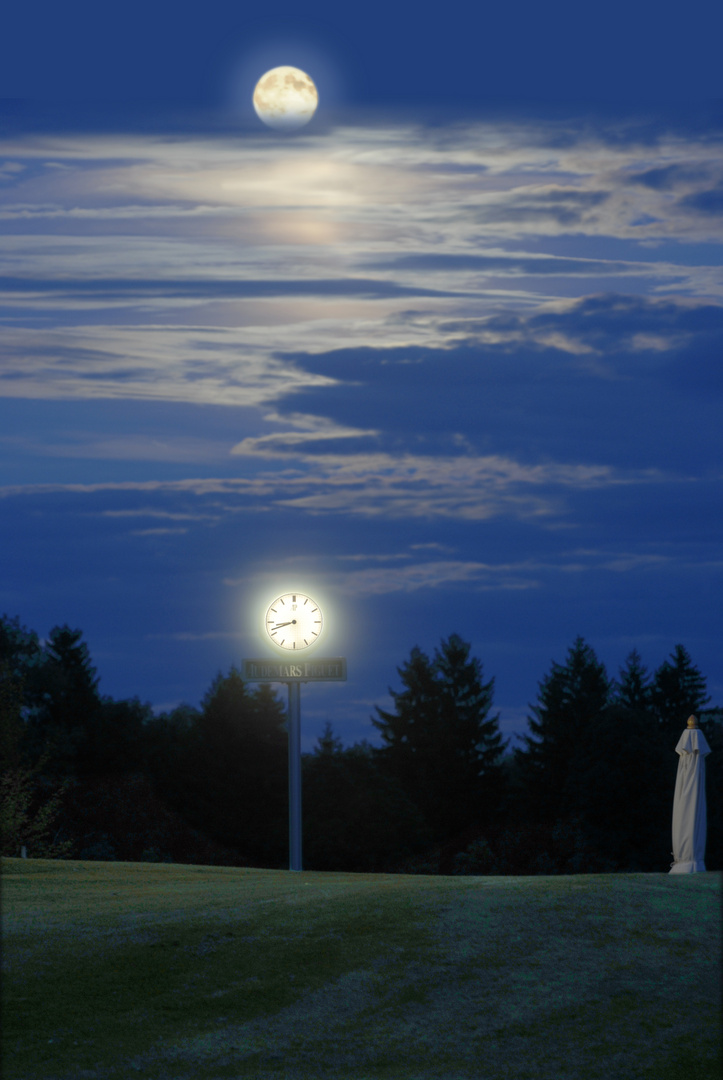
x=449 y=357
x=377 y=54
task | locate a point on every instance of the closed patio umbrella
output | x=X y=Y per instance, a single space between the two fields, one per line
x=689 y=820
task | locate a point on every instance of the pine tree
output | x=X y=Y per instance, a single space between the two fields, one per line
x=408 y=731
x=678 y=691
x=570 y=697
x=469 y=782
x=633 y=691
x=64 y=702
x=328 y=744
x=439 y=743
x=19 y=647
x=232 y=767
x=355 y=817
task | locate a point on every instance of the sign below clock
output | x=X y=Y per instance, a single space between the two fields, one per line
x=322 y=669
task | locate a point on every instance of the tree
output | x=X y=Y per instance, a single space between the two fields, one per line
x=569 y=699
x=678 y=691
x=27 y=813
x=634 y=689
x=328 y=744
x=65 y=703
x=408 y=732
x=469 y=778
x=355 y=818
x=19 y=648
x=440 y=745
x=27 y=821
x=12 y=728
x=231 y=769
x=615 y=783
x=116 y=742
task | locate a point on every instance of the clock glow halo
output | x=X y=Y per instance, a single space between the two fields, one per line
x=301 y=614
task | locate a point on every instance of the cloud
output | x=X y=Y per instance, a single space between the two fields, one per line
x=566 y=207
x=432 y=575
x=670 y=177
x=608 y=323
x=158 y=532
x=110 y=290
x=312 y=433
x=201 y=365
x=705 y=202
x=507 y=264
x=386 y=486
x=133 y=447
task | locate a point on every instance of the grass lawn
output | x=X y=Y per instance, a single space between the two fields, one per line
x=202 y=973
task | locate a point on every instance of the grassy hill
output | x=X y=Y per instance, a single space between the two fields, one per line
x=161 y=971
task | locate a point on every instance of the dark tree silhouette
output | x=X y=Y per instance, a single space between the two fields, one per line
x=678 y=691
x=65 y=705
x=231 y=769
x=354 y=817
x=592 y=792
x=614 y=784
x=409 y=731
x=19 y=648
x=569 y=699
x=634 y=688
x=440 y=745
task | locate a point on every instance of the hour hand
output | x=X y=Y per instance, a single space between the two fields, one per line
x=280 y=624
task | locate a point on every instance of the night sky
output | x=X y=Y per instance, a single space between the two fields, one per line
x=449 y=358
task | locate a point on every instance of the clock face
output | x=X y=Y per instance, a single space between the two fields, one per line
x=293 y=621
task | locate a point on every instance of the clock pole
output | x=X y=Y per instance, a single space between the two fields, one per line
x=294 y=776
x=293 y=623
x=320 y=669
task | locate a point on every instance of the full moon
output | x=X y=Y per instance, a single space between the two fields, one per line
x=285 y=98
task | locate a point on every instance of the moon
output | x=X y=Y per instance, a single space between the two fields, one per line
x=285 y=98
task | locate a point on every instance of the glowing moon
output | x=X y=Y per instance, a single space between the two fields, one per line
x=285 y=98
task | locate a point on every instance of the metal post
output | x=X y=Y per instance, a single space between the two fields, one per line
x=294 y=776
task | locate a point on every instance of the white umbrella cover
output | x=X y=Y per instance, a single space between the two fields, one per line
x=689 y=820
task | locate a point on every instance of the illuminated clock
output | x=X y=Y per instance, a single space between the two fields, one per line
x=293 y=621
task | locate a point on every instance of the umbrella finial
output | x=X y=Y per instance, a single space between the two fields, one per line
x=692 y=722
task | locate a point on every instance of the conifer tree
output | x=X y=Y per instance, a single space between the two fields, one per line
x=328 y=744
x=679 y=690
x=633 y=690
x=469 y=781
x=408 y=731
x=64 y=702
x=355 y=817
x=439 y=743
x=570 y=697
x=232 y=780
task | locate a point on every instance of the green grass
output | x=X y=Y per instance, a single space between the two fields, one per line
x=185 y=972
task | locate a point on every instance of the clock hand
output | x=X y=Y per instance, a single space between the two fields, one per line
x=280 y=624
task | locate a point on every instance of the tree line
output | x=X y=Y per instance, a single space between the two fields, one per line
x=85 y=776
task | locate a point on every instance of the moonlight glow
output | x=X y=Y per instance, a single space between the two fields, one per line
x=285 y=98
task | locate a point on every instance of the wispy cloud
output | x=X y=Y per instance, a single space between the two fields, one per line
x=454 y=358
x=381 y=485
